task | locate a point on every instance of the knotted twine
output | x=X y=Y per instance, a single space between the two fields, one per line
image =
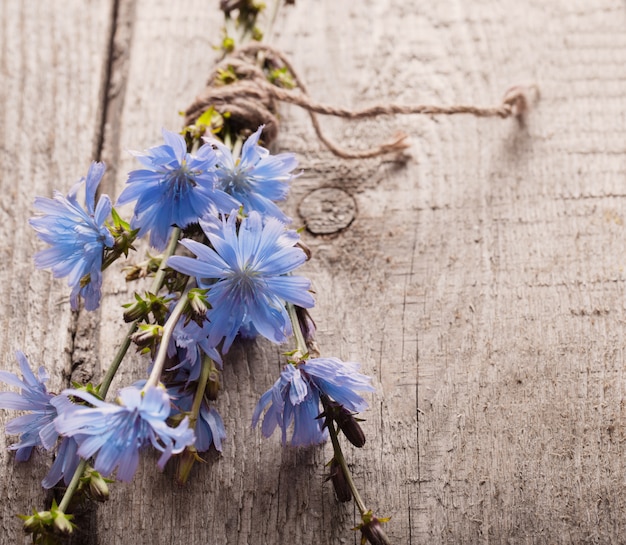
x=251 y=100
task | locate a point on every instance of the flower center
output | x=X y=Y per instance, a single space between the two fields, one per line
x=180 y=180
x=245 y=281
x=235 y=181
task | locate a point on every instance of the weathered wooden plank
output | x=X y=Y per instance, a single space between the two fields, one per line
x=481 y=282
x=492 y=258
x=51 y=66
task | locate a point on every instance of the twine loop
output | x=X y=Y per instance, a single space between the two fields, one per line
x=251 y=100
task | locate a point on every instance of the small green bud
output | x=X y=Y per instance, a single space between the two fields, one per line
x=228 y=44
x=45 y=526
x=144 y=306
x=62 y=523
x=34 y=523
x=137 y=310
x=124 y=237
x=257 y=34
x=226 y=76
x=199 y=303
x=143 y=269
x=281 y=77
x=147 y=336
x=96 y=485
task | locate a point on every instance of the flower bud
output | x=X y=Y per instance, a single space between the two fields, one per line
x=141 y=270
x=147 y=335
x=97 y=486
x=199 y=304
x=372 y=530
x=143 y=306
x=33 y=523
x=133 y=272
x=136 y=311
x=46 y=525
x=62 y=522
x=123 y=236
x=345 y=421
x=213 y=385
x=307 y=325
x=340 y=484
x=351 y=428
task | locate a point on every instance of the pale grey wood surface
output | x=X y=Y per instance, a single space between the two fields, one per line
x=481 y=282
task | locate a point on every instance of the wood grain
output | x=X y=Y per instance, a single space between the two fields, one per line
x=481 y=282
x=51 y=65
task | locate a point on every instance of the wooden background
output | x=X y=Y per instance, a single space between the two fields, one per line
x=481 y=282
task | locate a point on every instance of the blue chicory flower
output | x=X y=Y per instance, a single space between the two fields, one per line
x=116 y=432
x=188 y=346
x=339 y=380
x=257 y=179
x=77 y=237
x=209 y=428
x=174 y=188
x=34 y=398
x=295 y=397
x=246 y=272
x=64 y=465
x=291 y=399
x=37 y=427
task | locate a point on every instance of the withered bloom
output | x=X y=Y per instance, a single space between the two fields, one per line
x=340 y=484
x=346 y=421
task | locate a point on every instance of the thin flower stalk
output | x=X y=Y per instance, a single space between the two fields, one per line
x=297 y=331
x=168 y=329
x=207 y=367
x=157 y=284
x=332 y=430
x=339 y=457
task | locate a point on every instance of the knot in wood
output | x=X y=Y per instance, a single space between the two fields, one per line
x=327 y=210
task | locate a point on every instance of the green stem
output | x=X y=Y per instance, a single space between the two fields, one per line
x=207 y=367
x=159 y=277
x=117 y=360
x=108 y=261
x=157 y=284
x=297 y=332
x=338 y=454
x=71 y=488
x=168 y=329
x=270 y=27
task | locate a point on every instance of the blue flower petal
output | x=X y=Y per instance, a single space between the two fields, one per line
x=77 y=237
x=34 y=398
x=116 y=432
x=174 y=188
x=295 y=397
x=245 y=270
x=257 y=179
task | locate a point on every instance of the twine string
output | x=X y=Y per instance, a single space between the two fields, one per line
x=251 y=100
